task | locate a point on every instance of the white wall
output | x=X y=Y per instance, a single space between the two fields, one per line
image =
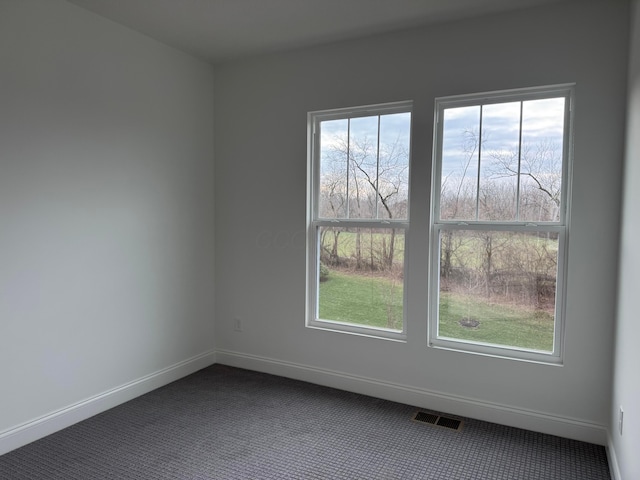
x=626 y=389
x=106 y=214
x=260 y=120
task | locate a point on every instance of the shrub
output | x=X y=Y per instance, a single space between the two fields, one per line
x=324 y=272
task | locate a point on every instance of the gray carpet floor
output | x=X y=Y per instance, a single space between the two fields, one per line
x=229 y=423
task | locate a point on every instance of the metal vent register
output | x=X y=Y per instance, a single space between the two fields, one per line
x=440 y=421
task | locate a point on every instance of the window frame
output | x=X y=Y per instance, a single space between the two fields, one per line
x=315 y=222
x=561 y=227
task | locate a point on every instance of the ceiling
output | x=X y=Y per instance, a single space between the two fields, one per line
x=223 y=30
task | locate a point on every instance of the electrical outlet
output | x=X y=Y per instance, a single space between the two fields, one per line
x=237 y=324
x=620 y=419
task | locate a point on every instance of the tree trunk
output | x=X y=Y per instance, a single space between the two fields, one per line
x=334 y=249
x=488 y=251
x=392 y=242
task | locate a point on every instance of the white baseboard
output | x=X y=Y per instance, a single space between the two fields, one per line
x=422 y=398
x=614 y=468
x=41 y=427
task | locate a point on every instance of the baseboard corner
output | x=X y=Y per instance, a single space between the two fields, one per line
x=52 y=422
x=612 y=458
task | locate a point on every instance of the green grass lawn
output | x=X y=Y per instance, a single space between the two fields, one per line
x=377 y=302
x=499 y=324
x=360 y=299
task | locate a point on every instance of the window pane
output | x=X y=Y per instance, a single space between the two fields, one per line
x=541 y=165
x=520 y=161
x=363 y=167
x=361 y=276
x=332 y=198
x=497 y=196
x=458 y=190
x=498 y=287
x=393 y=170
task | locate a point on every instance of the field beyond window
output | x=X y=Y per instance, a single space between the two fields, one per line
x=361 y=276
x=498 y=287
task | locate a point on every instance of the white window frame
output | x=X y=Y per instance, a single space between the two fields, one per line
x=560 y=227
x=314 y=221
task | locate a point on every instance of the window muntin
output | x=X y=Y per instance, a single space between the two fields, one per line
x=499 y=222
x=358 y=216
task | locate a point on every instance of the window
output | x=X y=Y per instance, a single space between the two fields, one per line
x=499 y=222
x=358 y=215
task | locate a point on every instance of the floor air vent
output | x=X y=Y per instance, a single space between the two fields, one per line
x=433 y=419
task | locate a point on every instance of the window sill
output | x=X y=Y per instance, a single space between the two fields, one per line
x=351 y=329
x=503 y=352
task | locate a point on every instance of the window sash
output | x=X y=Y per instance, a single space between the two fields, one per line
x=436 y=340
x=314 y=121
x=313 y=285
x=484 y=99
